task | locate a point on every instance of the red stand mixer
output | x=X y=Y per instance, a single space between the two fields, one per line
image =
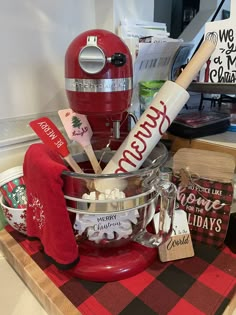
x=98 y=78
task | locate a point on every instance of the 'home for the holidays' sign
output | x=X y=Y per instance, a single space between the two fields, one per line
x=205 y=192
x=221 y=68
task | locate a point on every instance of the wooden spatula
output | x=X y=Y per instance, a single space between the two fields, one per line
x=79 y=130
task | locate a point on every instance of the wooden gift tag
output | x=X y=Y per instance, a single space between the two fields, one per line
x=180 y=243
x=205 y=192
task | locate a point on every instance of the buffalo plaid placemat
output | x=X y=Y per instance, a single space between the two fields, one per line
x=203 y=284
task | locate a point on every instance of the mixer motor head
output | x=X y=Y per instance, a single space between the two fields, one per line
x=98 y=78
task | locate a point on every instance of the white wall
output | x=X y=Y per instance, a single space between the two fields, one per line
x=135 y=9
x=34 y=38
x=110 y=12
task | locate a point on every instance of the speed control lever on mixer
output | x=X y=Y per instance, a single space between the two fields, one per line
x=118 y=59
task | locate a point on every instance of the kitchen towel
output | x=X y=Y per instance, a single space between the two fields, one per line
x=47 y=217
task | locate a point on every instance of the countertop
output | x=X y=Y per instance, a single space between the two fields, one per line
x=15 y=297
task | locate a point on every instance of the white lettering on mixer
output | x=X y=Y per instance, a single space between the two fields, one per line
x=139 y=146
x=99 y=85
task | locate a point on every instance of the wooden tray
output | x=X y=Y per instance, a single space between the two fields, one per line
x=48 y=294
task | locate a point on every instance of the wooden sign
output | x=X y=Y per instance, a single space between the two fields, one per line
x=180 y=243
x=221 y=67
x=205 y=191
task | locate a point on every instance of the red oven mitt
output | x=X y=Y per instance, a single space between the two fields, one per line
x=47 y=217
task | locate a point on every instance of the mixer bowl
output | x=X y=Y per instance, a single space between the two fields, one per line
x=120 y=212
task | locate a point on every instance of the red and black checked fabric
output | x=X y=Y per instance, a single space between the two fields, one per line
x=203 y=284
x=208 y=205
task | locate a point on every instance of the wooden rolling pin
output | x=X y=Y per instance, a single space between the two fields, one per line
x=156 y=119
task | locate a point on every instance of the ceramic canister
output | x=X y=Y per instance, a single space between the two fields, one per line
x=12 y=187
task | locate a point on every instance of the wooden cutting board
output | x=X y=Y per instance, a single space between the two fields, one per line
x=221 y=66
x=217 y=166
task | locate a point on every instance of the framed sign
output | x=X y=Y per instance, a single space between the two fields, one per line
x=205 y=192
x=221 y=67
x=207 y=204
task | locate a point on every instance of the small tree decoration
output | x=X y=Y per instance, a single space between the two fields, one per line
x=76 y=122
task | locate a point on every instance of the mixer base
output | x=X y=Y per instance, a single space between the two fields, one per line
x=112 y=264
